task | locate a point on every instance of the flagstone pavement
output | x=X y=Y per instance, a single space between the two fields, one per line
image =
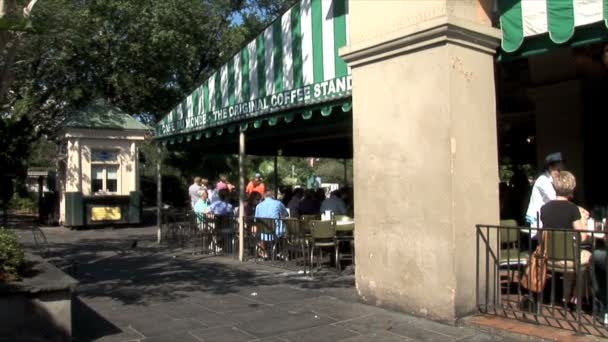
x=153 y=293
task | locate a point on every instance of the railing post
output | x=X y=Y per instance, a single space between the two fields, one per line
x=241 y=195
x=159 y=195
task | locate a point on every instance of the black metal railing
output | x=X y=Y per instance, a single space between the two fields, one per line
x=285 y=242
x=557 y=276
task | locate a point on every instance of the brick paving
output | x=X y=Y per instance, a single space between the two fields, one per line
x=152 y=293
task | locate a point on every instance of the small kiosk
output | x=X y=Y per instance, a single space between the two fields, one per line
x=98 y=167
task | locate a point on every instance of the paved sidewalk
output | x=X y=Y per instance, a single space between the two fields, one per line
x=151 y=293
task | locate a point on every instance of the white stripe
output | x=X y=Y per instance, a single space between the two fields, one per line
x=534 y=14
x=190 y=108
x=306 y=25
x=224 y=83
x=191 y=105
x=287 y=51
x=253 y=71
x=329 y=61
x=238 y=79
x=212 y=92
x=201 y=100
x=269 y=61
x=587 y=11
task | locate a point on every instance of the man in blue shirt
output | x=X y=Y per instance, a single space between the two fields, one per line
x=271 y=208
x=221 y=207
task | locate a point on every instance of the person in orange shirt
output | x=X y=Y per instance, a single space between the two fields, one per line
x=256 y=185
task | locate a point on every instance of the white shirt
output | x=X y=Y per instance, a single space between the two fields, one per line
x=193 y=191
x=542 y=192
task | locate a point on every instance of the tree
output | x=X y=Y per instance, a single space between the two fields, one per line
x=13 y=24
x=143 y=56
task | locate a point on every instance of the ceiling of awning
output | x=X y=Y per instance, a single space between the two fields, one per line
x=293 y=65
x=323 y=135
x=535 y=26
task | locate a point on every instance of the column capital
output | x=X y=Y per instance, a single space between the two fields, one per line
x=424 y=35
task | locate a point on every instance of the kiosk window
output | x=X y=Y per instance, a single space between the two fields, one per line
x=104 y=179
x=97 y=182
x=112 y=179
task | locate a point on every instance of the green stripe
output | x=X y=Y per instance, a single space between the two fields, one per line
x=296 y=46
x=511 y=23
x=560 y=19
x=340 y=35
x=185 y=108
x=245 y=72
x=195 y=102
x=277 y=54
x=606 y=13
x=317 y=40
x=218 y=89
x=261 y=56
x=206 y=97
x=231 y=87
x=175 y=119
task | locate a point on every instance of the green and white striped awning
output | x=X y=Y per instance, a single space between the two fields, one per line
x=292 y=64
x=559 y=19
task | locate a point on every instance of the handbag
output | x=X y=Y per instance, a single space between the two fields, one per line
x=535 y=278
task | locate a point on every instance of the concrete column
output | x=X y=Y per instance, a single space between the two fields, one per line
x=425 y=150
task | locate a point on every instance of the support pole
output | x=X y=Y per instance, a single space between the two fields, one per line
x=242 y=196
x=345 y=173
x=159 y=194
x=276 y=176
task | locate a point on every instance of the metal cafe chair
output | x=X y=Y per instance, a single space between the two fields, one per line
x=512 y=258
x=564 y=258
x=339 y=218
x=305 y=222
x=344 y=235
x=264 y=233
x=323 y=236
x=295 y=241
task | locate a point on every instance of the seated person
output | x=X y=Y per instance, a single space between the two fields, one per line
x=560 y=213
x=309 y=205
x=200 y=207
x=334 y=204
x=271 y=208
x=220 y=207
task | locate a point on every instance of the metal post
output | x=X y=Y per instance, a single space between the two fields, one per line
x=40 y=197
x=276 y=176
x=159 y=194
x=345 y=173
x=242 y=196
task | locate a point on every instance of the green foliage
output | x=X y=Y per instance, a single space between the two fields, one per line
x=12 y=257
x=142 y=56
x=23 y=203
x=43 y=153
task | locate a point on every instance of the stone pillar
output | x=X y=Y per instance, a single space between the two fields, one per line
x=425 y=150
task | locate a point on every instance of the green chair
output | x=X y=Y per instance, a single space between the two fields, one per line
x=564 y=258
x=339 y=218
x=305 y=224
x=264 y=233
x=344 y=235
x=510 y=253
x=322 y=236
x=295 y=241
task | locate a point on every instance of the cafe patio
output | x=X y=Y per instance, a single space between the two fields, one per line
x=430 y=109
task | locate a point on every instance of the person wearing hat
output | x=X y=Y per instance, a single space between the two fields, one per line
x=543 y=190
x=256 y=185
